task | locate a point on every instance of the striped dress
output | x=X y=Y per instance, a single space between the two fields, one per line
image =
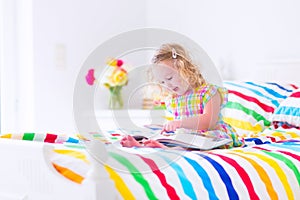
x=193 y=104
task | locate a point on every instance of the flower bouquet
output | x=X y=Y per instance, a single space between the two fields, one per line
x=115 y=82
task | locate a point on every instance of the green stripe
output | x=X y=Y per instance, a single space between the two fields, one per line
x=254 y=114
x=28 y=136
x=287 y=161
x=75 y=146
x=135 y=173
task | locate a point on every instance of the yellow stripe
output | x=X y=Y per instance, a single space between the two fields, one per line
x=243 y=124
x=120 y=184
x=262 y=174
x=72 y=153
x=282 y=136
x=293 y=134
x=276 y=134
x=6 y=135
x=68 y=173
x=277 y=169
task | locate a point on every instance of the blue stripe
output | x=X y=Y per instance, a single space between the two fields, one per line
x=186 y=184
x=274 y=102
x=204 y=177
x=288 y=110
x=270 y=91
x=292 y=143
x=255 y=140
x=72 y=140
x=232 y=194
x=289 y=146
x=280 y=86
x=200 y=171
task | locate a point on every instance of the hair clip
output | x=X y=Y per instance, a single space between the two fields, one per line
x=174 y=54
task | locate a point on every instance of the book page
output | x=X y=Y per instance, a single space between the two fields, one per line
x=188 y=139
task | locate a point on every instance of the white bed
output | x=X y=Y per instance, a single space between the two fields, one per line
x=267 y=168
x=28 y=174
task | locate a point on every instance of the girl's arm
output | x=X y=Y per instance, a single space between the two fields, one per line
x=205 y=121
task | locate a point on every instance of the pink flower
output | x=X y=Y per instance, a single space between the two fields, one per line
x=90 y=78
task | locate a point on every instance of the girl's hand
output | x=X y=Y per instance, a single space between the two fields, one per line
x=172 y=125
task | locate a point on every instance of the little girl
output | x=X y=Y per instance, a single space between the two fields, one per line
x=194 y=103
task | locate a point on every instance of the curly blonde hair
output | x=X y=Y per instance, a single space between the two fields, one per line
x=182 y=63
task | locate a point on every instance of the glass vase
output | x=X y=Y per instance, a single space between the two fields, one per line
x=116 y=99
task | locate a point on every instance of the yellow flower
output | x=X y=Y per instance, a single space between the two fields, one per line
x=119 y=77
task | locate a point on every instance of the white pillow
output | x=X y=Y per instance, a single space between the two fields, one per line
x=288 y=112
x=251 y=104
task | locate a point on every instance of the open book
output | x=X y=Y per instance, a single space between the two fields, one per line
x=188 y=139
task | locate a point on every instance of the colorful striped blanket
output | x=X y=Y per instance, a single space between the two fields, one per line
x=267 y=171
x=267 y=167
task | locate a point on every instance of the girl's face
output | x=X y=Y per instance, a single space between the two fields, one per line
x=169 y=77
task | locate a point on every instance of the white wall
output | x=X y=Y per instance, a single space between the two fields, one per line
x=16 y=56
x=238 y=35
x=65 y=32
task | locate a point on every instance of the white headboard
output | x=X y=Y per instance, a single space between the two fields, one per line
x=266 y=71
x=278 y=70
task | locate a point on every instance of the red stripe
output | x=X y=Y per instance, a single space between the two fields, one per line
x=294 y=86
x=170 y=190
x=50 y=138
x=272 y=138
x=115 y=134
x=260 y=148
x=252 y=99
x=284 y=152
x=243 y=174
x=296 y=94
x=290 y=154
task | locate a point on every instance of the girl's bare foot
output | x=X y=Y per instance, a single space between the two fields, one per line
x=154 y=144
x=129 y=141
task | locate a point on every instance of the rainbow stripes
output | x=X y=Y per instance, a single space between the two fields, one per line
x=251 y=105
x=267 y=171
x=42 y=137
